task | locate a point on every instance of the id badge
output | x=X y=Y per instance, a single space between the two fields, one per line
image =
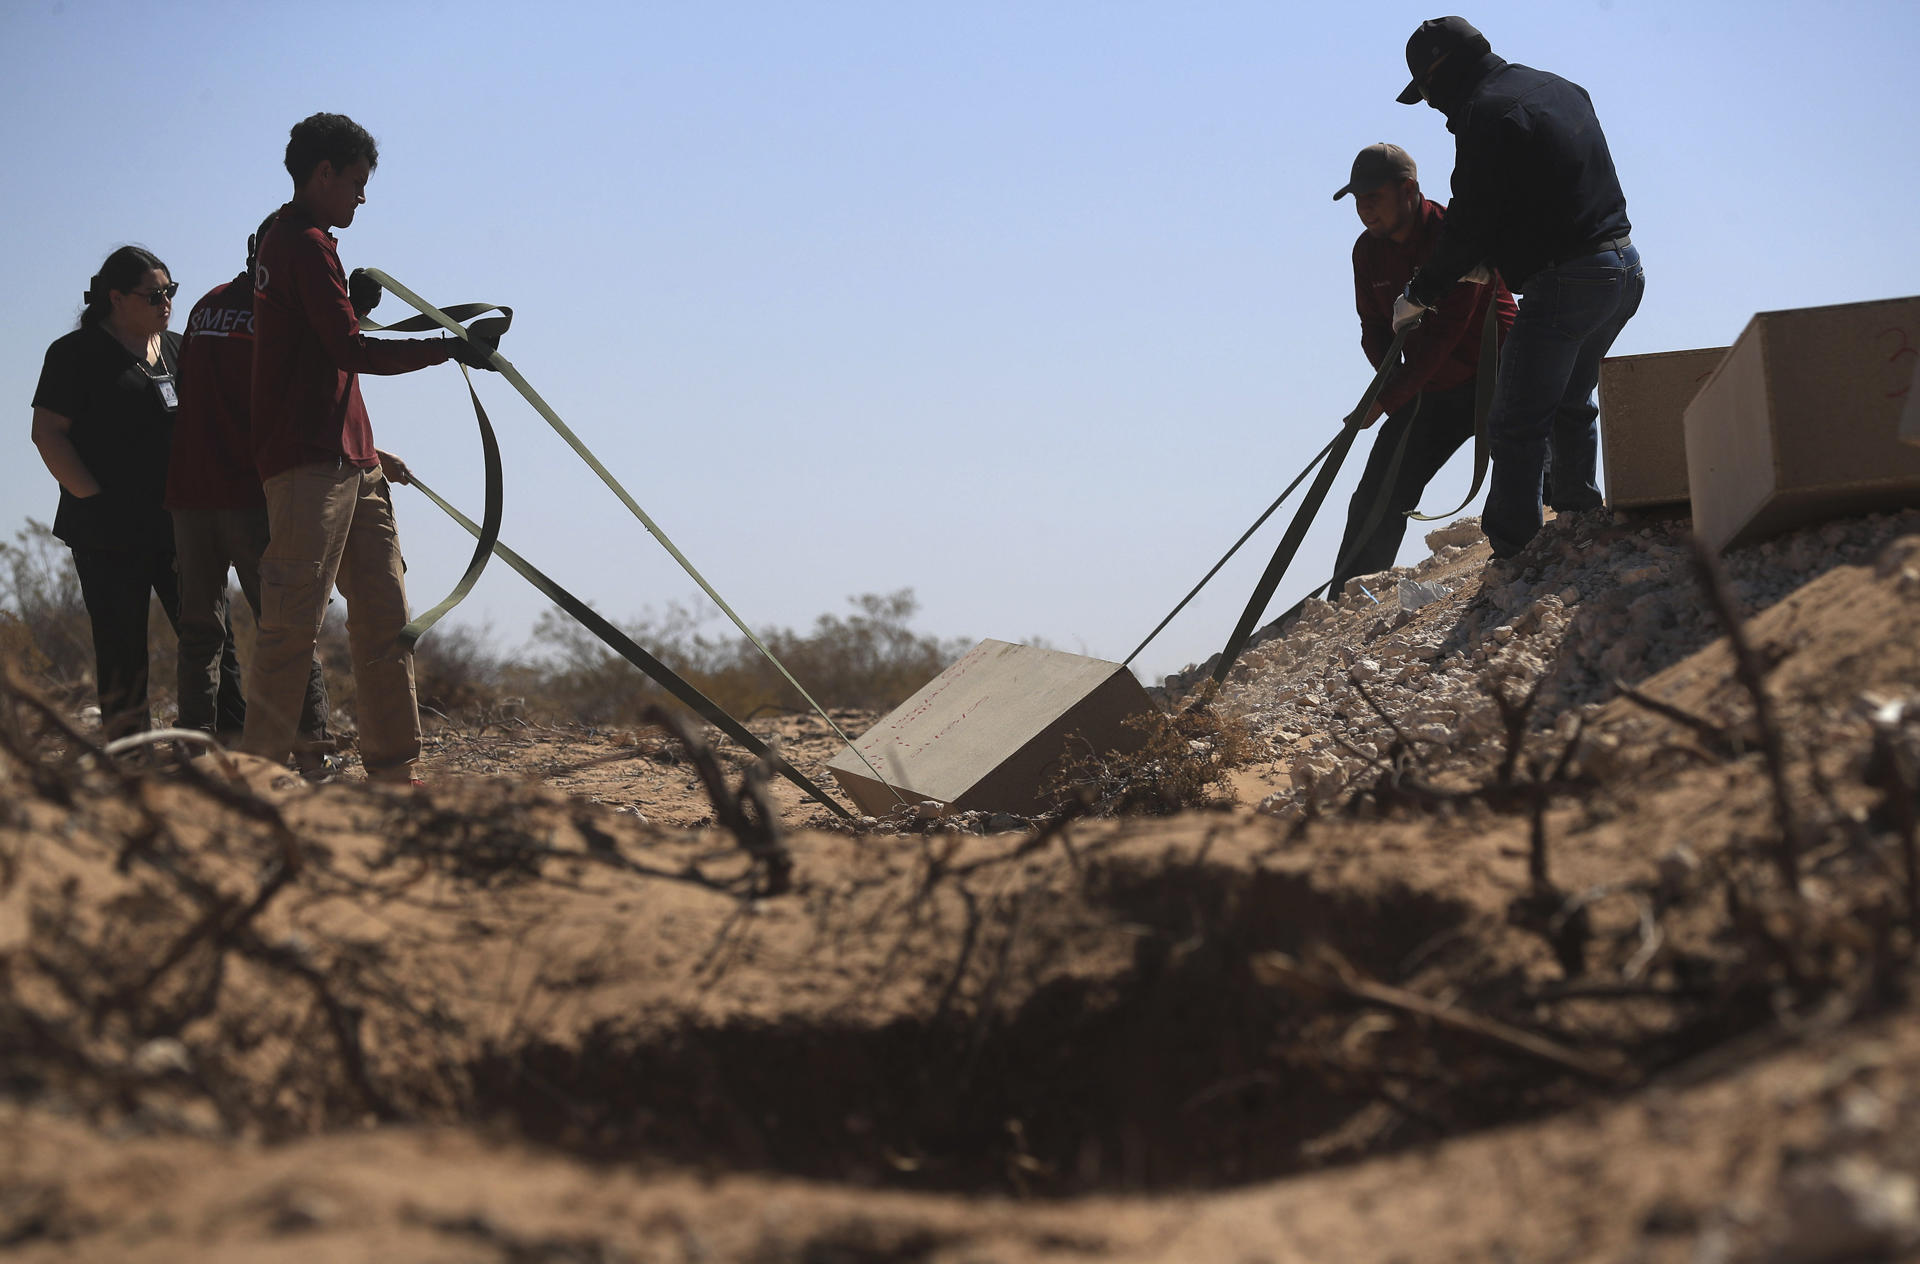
x=169 y=397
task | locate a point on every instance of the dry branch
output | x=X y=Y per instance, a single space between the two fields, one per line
x=1718 y=741
x=1332 y=974
x=1751 y=670
x=747 y=814
x=1515 y=713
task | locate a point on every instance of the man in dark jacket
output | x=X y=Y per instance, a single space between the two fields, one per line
x=1428 y=399
x=1534 y=196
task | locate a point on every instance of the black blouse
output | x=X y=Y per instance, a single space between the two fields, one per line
x=123 y=430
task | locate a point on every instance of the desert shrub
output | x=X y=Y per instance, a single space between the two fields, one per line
x=869 y=659
x=455 y=672
x=581 y=679
x=43 y=622
x=1186 y=761
x=44 y=626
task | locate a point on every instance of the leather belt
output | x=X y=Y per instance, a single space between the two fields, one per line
x=1594 y=248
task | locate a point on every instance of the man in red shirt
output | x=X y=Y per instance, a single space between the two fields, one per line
x=1430 y=396
x=220 y=514
x=329 y=509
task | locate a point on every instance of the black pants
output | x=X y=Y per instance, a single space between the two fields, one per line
x=116 y=587
x=207 y=542
x=1436 y=423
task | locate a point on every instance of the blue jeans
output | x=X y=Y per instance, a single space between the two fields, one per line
x=1569 y=316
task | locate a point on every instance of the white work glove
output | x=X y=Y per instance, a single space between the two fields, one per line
x=1406 y=313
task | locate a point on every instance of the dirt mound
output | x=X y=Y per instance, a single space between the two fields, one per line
x=1504 y=966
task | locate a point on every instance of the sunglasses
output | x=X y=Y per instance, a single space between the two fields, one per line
x=157 y=297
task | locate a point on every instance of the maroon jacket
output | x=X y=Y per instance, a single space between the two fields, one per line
x=1445 y=350
x=212 y=462
x=308 y=353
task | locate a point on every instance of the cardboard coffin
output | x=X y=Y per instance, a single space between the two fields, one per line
x=1910 y=415
x=1801 y=421
x=993 y=731
x=1643 y=434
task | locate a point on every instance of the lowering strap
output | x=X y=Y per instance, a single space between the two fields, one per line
x=486 y=342
x=624 y=645
x=1283 y=556
x=1298 y=479
x=1303 y=516
x=1482 y=409
x=1374 y=515
x=489 y=530
x=1373 y=389
x=489 y=328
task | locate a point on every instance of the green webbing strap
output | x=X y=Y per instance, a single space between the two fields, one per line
x=1303 y=516
x=1482 y=409
x=1299 y=478
x=489 y=328
x=485 y=536
x=624 y=645
x=1283 y=556
x=500 y=363
x=1382 y=497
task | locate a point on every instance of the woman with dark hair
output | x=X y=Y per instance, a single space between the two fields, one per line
x=103 y=422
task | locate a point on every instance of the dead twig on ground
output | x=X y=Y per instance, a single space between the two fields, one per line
x=1718 y=741
x=1537 y=866
x=1330 y=973
x=343 y=1020
x=1407 y=744
x=222 y=921
x=747 y=814
x=1515 y=714
x=1751 y=671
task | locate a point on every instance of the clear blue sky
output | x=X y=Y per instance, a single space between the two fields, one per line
x=1030 y=307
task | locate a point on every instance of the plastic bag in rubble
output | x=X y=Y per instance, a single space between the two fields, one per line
x=1415 y=593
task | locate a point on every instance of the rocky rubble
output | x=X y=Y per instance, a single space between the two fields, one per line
x=1593 y=601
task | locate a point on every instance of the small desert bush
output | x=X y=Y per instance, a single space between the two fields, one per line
x=867 y=659
x=43 y=622
x=44 y=626
x=455 y=671
x=1185 y=762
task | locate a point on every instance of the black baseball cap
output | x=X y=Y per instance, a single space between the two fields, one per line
x=1376 y=165
x=1435 y=38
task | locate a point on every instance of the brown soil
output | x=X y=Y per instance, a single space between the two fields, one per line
x=548 y=1010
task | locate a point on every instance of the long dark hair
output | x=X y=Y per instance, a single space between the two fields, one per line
x=122 y=271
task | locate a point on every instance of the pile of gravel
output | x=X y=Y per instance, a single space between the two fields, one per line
x=1591 y=602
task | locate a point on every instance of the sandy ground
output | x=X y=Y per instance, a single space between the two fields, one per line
x=1563 y=1006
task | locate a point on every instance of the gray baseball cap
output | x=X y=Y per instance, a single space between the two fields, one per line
x=1376 y=165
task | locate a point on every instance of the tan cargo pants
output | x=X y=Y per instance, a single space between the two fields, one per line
x=330 y=525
